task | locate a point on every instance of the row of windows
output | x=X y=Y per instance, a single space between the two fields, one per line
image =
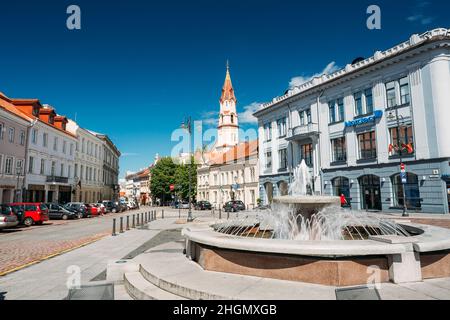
x=12 y=134
x=397 y=93
x=88 y=173
x=306 y=153
x=401 y=143
x=305 y=119
x=56 y=143
x=228 y=178
x=11 y=166
x=41 y=167
x=89 y=148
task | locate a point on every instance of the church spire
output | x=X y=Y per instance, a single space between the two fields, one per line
x=227 y=90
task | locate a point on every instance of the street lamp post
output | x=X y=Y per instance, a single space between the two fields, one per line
x=397 y=117
x=18 y=173
x=187 y=124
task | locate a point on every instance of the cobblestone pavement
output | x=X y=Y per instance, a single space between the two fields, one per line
x=23 y=246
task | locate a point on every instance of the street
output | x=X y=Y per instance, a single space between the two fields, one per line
x=24 y=246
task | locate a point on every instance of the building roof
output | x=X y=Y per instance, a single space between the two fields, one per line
x=240 y=152
x=227 y=90
x=5 y=103
x=317 y=82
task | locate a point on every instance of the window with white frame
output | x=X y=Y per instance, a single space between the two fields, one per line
x=42 y=169
x=398 y=92
x=268 y=132
x=283 y=160
x=364 y=102
x=2 y=128
x=19 y=166
x=332 y=111
x=9 y=165
x=62 y=170
x=55 y=144
x=1 y=163
x=53 y=170
x=11 y=134
x=64 y=147
x=341 y=109
x=30 y=164
x=71 y=149
x=34 y=136
x=22 y=137
x=281 y=125
x=269 y=160
x=358 y=104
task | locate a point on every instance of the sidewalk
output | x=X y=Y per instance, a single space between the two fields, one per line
x=47 y=280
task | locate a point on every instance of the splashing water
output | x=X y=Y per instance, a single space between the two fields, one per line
x=301 y=180
x=284 y=221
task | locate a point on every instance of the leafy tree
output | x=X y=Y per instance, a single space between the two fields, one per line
x=182 y=180
x=163 y=175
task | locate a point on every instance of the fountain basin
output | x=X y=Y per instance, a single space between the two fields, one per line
x=307 y=205
x=333 y=263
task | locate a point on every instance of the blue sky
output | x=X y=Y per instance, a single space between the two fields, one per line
x=137 y=68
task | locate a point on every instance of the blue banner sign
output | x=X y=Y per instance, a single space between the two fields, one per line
x=376 y=115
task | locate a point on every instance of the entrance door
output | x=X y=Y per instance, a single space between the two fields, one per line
x=370 y=192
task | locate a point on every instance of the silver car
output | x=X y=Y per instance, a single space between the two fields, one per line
x=7 y=218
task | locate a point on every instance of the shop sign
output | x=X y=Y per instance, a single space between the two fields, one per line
x=376 y=115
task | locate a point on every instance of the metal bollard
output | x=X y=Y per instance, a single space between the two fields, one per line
x=162 y=214
x=142 y=218
x=134 y=221
x=179 y=213
x=220 y=214
x=138 y=224
x=128 y=223
x=155 y=215
x=121 y=225
x=228 y=215
x=114 y=228
x=145 y=217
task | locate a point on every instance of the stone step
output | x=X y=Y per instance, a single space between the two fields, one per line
x=140 y=289
x=168 y=269
x=120 y=293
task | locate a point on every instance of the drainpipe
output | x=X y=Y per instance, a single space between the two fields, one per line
x=319 y=156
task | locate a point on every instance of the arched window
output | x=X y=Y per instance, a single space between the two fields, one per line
x=232 y=119
x=341 y=186
x=412 y=191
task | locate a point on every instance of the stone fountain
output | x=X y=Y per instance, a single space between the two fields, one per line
x=298 y=199
x=308 y=238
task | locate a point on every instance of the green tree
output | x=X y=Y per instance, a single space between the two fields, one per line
x=182 y=180
x=163 y=175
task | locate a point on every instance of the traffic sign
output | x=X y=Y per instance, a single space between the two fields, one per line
x=404 y=177
x=403 y=167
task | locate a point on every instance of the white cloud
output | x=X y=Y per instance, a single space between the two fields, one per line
x=246 y=117
x=296 y=81
x=210 y=118
x=424 y=20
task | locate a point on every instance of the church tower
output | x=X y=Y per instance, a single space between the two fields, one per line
x=228 y=130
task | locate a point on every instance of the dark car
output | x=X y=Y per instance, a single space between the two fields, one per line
x=203 y=205
x=57 y=212
x=78 y=207
x=112 y=206
x=234 y=206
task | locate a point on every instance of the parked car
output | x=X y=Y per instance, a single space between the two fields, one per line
x=111 y=206
x=234 y=206
x=77 y=207
x=121 y=206
x=56 y=212
x=30 y=213
x=203 y=205
x=92 y=210
x=101 y=207
x=7 y=217
x=183 y=205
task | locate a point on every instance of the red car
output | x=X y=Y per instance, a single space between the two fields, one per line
x=30 y=213
x=92 y=210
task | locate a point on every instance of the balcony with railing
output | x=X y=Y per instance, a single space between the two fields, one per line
x=303 y=131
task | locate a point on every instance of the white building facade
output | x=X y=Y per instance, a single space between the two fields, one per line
x=354 y=127
x=88 y=165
